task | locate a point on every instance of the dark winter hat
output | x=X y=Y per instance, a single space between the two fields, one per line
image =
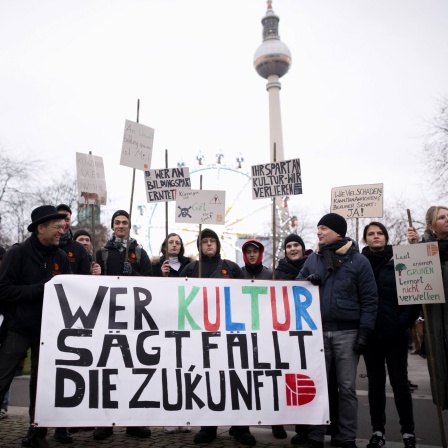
x=81 y=232
x=209 y=233
x=119 y=213
x=296 y=238
x=334 y=222
x=43 y=214
x=64 y=207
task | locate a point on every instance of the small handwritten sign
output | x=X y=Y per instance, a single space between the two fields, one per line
x=358 y=201
x=161 y=185
x=418 y=274
x=276 y=179
x=200 y=206
x=91 y=179
x=136 y=151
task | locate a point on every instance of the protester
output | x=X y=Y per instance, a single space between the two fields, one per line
x=83 y=237
x=173 y=258
x=389 y=343
x=253 y=251
x=437 y=313
x=4 y=405
x=169 y=264
x=295 y=256
x=213 y=266
x=348 y=302
x=79 y=260
x=25 y=269
x=111 y=258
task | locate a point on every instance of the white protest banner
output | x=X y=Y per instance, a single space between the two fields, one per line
x=358 y=201
x=200 y=206
x=161 y=185
x=136 y=151
x=137 y=351
x=276 y=179
x=418 y=274
x=91 y=179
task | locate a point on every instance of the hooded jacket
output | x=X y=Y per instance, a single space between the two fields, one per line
x=211 y=267
x=289 y=269
x=348 y=295
x=25 y=269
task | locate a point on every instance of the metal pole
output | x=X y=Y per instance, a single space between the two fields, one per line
x=274 y=250
x=200 y=237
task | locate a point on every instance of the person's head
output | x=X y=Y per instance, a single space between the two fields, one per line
x=253 y=252
x=121 y=224
x=67 y=211
x=47 y=224
x=437 y=221
x=294 y=221
x=173 y=246
x=294 y=247
x=208 y=243
x=376 y=236
x=83 y=237
x=330 y=228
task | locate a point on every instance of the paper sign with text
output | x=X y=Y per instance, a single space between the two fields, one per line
x=161 y=185
x=138 y=351
x=418 y=274
x=91 y=179
x=200 y=206
x=276 y=179
x=358 y=201
x=136 y=151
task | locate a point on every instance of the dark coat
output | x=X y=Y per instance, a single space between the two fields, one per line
x=156 y=263
x=209 y=268
x=392 y=321
x=78 y=257
x=115 y=260
x=25 y=269
x=263 y=273
x=348 y=295
x=288 y=269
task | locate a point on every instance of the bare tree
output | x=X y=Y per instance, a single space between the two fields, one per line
x=435 y=151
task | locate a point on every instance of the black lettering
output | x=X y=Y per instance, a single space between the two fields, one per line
x=166 y=405
x=237 y=340
x=140 y=309
x=60 y=400
x=134 y=403
x=144 y=357
x=85 y=358
x=178 y=335
x=120 y=341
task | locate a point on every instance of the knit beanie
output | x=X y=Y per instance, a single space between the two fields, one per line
x=119 y=213
x=81 y=232
x=334 y=222
x=296 y=238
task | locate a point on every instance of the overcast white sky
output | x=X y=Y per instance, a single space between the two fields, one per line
x=363 y=86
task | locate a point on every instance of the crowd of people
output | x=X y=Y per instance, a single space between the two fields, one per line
x=358 y=301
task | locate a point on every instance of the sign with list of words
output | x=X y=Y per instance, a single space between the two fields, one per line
x=200 y=206
x=91 y=179
x=136 y=151
x=161 y=185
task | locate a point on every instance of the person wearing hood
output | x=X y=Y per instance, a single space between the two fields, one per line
x=389 y=343
x=253 y=268
x=173 y=258
x=213 y=266
x=111 y=257
x=253 y=251
x=289 y=267
x=77 y=255
x=348 y=305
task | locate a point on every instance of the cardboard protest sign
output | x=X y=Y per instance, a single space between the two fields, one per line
x=91 y=179
x=276 y=179
x=161 y=185
x=137 y=351
x=200 y=206
x=418 y=274
x=358 y=201
x=136 y=151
